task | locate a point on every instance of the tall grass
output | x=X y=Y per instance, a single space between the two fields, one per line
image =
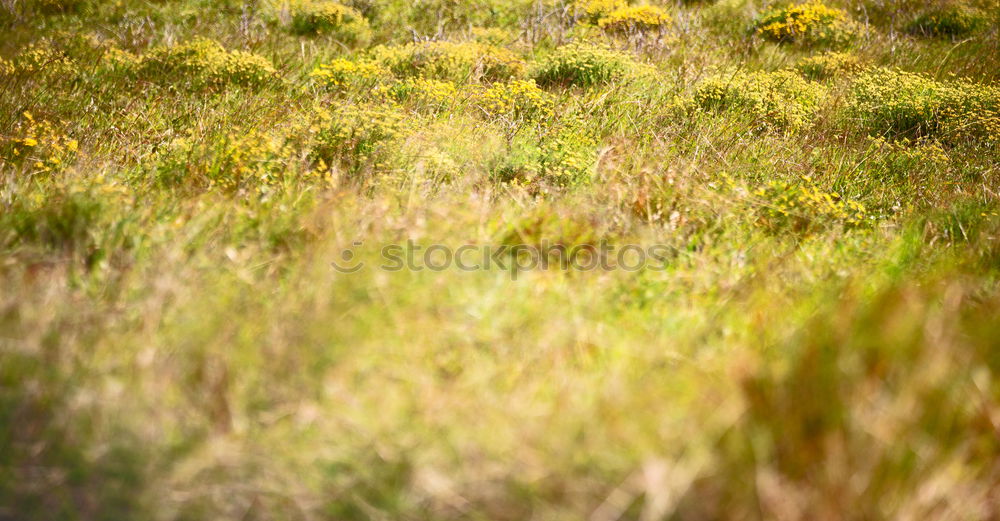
x=818 y=339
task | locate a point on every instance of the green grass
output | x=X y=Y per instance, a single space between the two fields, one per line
x=820 y=339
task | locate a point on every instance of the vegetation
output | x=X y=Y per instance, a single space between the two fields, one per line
x=781 y=98
x=828 y=65
x=808 y=23
x=731 y=259
x=586 y=65
x=314 y=17
x=950 y=19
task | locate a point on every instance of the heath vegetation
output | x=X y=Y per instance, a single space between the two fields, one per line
x=792 y=209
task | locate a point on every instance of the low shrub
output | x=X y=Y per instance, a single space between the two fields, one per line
x=808 y=23
x=779 y=99
x=634 y=20
x=375 y=81
x=591 y=11
x=37 y=145
x=314 y=17
x=341 y=74
x=952 y=20
x=562 y=155
x=42 y=58
x=516 y=101
x=235 y=161
x=586 y=65
x=889 y=101
x=68 y=218
x=827 y=65
x=904 y=156
x=422 y=92
x=460 y=62
x=202 y=63
x=802 y=207
x=361 y=137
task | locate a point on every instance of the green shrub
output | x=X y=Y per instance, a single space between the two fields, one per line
x=460 y=62
x=374 y=81
x=234 y=161
x=948 y=20
x=904 y=156
x=424 y=93
x=203 y=63
x=897 y=102
x=591 y=11
x=617 y=16
x=809 y=23
x=562 y=155
x=828 y=65
x=343 y=75
x=313 y=17
x=43 y=59
x=516 y=101
x=634 y=20
x=802 y=207
x=362 y=137
x=586 y=65
x=776 y=99
x=68 y=219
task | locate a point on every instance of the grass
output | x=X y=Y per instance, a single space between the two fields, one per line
x=818 y=339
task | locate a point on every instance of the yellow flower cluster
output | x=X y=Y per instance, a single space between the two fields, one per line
x=634 y=20
x=250 y=158
x=360 y=135
x=40 y=58
x=828 y=65
x=428 y=92
x=920 y=152
x=119 y=60
x=341 y=74
x=516 y=101
x=803 y=207
x=779 y=99
x=593 y=10
x=321 y=17
x=587 y=65
x=889 y=100
x=38 y=145
x=568 y=156
x=459 y=62
x=378 y=83
x=809 y=23
x=561 y=155
x=235 y=161
x=201 y=63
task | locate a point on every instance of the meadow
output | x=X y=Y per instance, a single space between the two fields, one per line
x=818 y=339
